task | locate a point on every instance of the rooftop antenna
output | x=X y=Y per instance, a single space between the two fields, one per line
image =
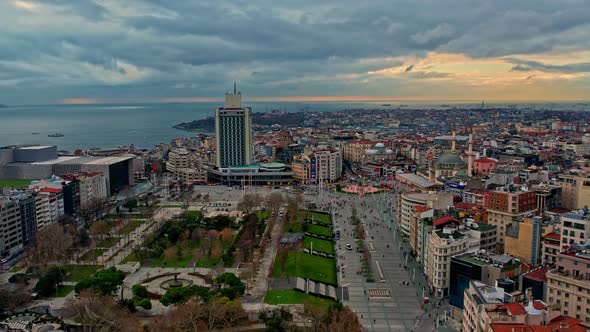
x=234 y=87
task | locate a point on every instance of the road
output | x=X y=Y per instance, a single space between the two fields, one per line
x=391 y=303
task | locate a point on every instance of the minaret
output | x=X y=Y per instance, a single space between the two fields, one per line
x=470 y=156
x=454 y=142
x=431 y=171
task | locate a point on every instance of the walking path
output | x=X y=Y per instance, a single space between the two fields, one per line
x=261 y=281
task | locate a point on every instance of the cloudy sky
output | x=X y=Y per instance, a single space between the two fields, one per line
x=64 y=51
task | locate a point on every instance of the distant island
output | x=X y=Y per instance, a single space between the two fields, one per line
x=3 y=106
x=207 y=125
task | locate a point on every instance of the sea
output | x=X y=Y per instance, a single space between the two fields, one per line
x=146 y=125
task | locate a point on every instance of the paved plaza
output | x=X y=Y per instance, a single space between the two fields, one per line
x=386 y=304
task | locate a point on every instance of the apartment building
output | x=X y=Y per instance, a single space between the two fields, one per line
x=523 y=239
x=441 y=246
x=492 y=309
x=568 y=284
x=575 y=191
x=410 y=200
x=178 y=158
x=550 y=248
x=11 y=240
x=575 y=228
x=508 y=206
x=355 y=151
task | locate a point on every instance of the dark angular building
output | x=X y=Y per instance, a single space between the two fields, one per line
x=28 y=218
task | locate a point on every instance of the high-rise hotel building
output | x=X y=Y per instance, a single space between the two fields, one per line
x=233 y=130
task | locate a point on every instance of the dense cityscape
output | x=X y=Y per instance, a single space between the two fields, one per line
x=294 y=166
x=446 y=219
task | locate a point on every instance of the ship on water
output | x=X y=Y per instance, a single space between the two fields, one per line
x=56 y=135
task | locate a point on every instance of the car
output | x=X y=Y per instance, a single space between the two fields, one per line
x=349 y=246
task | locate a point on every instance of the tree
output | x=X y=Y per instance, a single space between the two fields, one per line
x=141 y=297
x=343 y=320
x=52 y=245
x=47 y=285
x=227 y=235
x=104 y=281
x=99 y=229
x=98 y=312
x=274 y=201
x=248 y=203
x=278 y=320
x=11 y=301
x=184 y=317
x=230 y=285
x=179 y=295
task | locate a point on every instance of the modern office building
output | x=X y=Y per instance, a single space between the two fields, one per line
x=42 y=162
x=502 y=270
x=28 y=216
x=233 y=132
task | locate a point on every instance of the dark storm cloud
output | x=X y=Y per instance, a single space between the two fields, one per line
x=121 y=48
x=520 y=67
x=525 y=65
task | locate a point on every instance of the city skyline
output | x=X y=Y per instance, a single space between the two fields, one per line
x=155 y=51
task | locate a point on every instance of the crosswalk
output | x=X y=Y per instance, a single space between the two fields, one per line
x=379 y=293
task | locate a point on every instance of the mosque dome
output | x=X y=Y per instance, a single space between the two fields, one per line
x=379 y=145
x=450 y=160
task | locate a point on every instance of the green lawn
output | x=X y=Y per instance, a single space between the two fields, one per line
x=16 y=268
x=324 y=218
x=319 y=230
x=156 y=262
x=293 y=228
x=261 y=214
x=132 y=257
x=290 y=296
x=178 y=263
x=15 y=183
x=63 y=291
x=130 y=226
x=318 y=245
x=207 y=262
x=299 y=264
x=107 y=242
x=79 y=272
x=192 y=214
x=91 y=255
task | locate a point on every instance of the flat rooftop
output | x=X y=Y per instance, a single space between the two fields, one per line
x=35 y=147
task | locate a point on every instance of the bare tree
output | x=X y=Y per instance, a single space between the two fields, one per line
x=344 y=320
x=274 y=201
x=52 y=245
x=246 y=204
x=99 y=313
x=11 y=301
